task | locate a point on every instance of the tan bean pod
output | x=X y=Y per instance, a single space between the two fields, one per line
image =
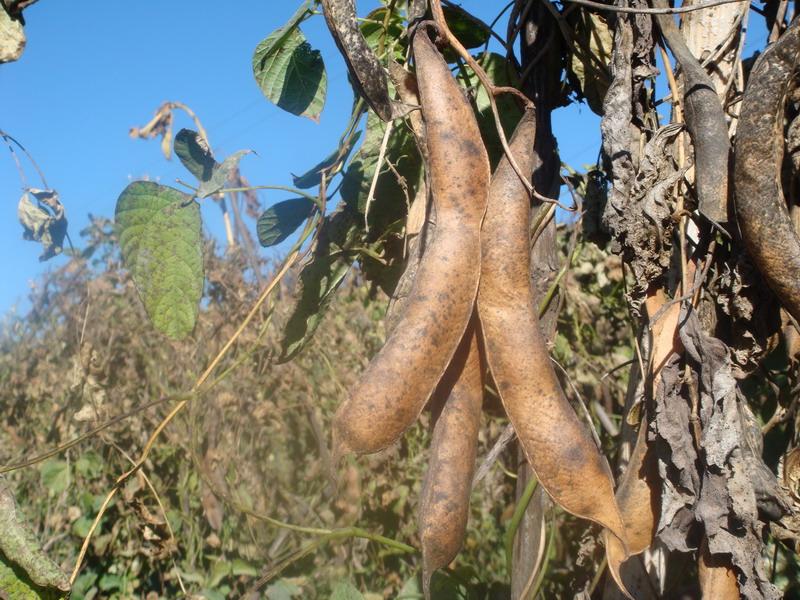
x=444 y=502
x=398 y=382
x=558 y=446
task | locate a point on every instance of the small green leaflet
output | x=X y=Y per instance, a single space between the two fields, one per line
x=220 y=174
x=159 y=232
x=196 y=156
x=281 y=219
x=344 y=590
x=373 y=32
x=289 y=72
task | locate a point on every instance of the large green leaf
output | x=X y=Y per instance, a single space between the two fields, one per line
x=281 y=219
x=320 y=278
x=25 y=570
x=289 y=72
x=159 y=232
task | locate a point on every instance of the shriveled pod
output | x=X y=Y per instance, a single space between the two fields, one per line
x=764 y=221
x=558 y=446
x=444 y=502
x=705 y=120
x=398 y=382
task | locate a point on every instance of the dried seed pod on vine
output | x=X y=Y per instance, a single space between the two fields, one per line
x=398 y=382
x=764 y=221
x=557 y=445
x=444 y=501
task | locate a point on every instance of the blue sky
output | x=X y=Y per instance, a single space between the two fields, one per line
x=94 y=69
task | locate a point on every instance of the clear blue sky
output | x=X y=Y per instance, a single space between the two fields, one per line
x=95 y=68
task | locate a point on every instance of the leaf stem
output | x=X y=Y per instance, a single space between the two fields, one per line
x=516 y=519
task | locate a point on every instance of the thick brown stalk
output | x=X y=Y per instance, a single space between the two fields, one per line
x=761 y=211
x=398 y=382
x=558 y=446
x=444 y=502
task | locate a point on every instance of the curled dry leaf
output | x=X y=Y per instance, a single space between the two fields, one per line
x=761 y=210
x=159 y=125
x=44 y=221
x=396 y=385
x=558 y=446
x=12 y=37
x=444 y=501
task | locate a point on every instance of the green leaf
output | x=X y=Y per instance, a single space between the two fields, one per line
x=220 y=174
x=392 y=36
x=289 y=72
x=241 y=568
x=25 y=571
x=313 y=176
x=282 y=590
x=320 y=278
x=389 y=201
x=344 y=590
x=55 y=476
x=471 y=32
x=280 y=220
x=44 y=222
x=111 y=581
x=158 y=228
x=193 y=151
x=500 y=74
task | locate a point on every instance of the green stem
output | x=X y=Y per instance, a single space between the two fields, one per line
x=551 y=536
x=516 y=519
x=284 y=188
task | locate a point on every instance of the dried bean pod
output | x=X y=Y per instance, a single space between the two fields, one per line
x=444 y=502
x=398 y=382
x=366 y=71
x=558 y=446
x=705 y=120
x=764 y=221
x=638 y=500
